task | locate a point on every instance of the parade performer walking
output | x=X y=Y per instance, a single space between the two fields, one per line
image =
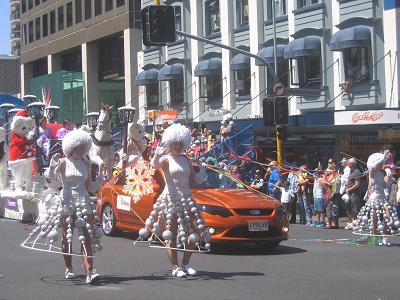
x=176 y=217
x=75 y=210
x=378 y=217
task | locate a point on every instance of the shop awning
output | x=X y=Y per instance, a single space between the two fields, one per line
x=240 y=62
x=268 y=54
x=209 y=67
x=171 y=72
x=303 y=47
x=353 y=37
x=147 y=77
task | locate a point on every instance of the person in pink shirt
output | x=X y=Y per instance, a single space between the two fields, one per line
x=67 y=127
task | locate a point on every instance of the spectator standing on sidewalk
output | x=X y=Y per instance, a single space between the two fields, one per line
x=274 y=181
x=303 y=199
x=329 y=189
x=319 y=203
x=286 y=195
x=352 y=197
x=292 y=179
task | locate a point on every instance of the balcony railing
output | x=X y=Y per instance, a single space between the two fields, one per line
x=15 y=35
x=15 y=15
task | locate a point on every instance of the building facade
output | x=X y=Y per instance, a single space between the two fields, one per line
x=15 y=36
x=331 y=55
x=81 y=52
x=10 y=81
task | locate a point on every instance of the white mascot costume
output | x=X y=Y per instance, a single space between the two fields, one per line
x=136 y=145
x=22 y=151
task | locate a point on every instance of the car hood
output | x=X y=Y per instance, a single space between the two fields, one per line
x=234 y=198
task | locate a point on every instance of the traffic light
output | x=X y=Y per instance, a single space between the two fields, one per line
x=281 y=111
x=158 y=25
x=268 y=112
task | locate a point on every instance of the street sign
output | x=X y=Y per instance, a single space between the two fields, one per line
x=278 y=88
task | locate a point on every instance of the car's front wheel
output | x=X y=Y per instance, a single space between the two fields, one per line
x=269 y=245
x=108 y=221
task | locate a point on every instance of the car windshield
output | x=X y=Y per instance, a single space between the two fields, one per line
x=214 y=180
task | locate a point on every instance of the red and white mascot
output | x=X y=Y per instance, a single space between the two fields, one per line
x=22 y=151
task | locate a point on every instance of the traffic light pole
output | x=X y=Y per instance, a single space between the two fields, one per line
x=279 y=143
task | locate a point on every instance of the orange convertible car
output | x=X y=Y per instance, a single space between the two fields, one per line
x=233 y=213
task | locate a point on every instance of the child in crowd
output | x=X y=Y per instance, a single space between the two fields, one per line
x=286 y=195
x=319 y=207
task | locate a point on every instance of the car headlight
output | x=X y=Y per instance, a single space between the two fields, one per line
x=281 y=211
x=216 y=210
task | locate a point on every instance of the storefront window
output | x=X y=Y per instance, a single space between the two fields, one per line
x=308 y=71
x=152 y=95
x=212 y=18
x=280 y=8
x=242 y=82
x=356 y=64
x=211 y=87
x=243 y=12
x=176 y=91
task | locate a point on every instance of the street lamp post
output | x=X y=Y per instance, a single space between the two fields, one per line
x=92 y=119
x=126 y=115
x=36 y=111
x=52 y=113
x=5 y=109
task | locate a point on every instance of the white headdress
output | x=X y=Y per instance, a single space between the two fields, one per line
x=76 y=138
x=373 y=160
x=176 y=133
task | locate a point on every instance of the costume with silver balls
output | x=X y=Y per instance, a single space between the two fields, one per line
x=378 y=216
x=74 y=203
x=176 y=202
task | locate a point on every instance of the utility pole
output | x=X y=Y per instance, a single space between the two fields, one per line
x=279 y=140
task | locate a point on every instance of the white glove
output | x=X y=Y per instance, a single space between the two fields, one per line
x=124 y=156
x=55 y=160
x=30 y=135
x=204 y=165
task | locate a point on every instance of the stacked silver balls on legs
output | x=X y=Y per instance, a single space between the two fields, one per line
x=189 y=222
x=48 y=232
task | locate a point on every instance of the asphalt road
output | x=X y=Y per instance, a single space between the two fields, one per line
x=311 y=265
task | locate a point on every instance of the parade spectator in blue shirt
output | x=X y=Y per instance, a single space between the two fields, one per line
x=274 y=181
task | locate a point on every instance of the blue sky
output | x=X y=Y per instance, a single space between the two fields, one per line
x=5 y=27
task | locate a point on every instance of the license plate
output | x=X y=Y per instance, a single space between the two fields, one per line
x=258 y=226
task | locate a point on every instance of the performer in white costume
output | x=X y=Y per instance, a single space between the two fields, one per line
x=75 y=209
x=378 y=217
x=176 y=217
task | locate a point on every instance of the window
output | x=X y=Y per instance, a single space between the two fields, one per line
x=88 y=9
x=60 y=16
x=211 y=87
x=176 y=91
x=356 y=62
x=242 y=7
x=120 y=3
x=24 y=35
x=39 y=67
x=280 y=8
x=78 y=11
x=23 y=6
x=303 y=3
x=109 y=5
x=212 y=19
x=30 y=4
x=45 y=25
x=37 y=29
x=69 y=14
x=242 y=82
x=97 y=7
x=30 y=32
x=308 y=71
x=178 y=18
x=52 y=21
x=37 y=2
x=152 y=95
